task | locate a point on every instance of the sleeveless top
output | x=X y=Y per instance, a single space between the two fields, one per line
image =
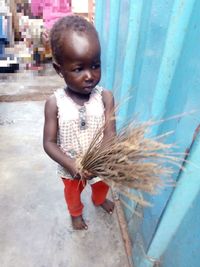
x=77 y=124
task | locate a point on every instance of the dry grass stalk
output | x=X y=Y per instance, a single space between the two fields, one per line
x=130 y=160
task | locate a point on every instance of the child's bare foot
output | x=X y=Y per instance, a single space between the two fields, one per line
x=108 y=206
x=78 y=223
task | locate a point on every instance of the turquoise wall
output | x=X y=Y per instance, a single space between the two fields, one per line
x=150 y=51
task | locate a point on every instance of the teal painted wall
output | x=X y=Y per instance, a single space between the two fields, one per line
x=183 y=249
x=150 y=51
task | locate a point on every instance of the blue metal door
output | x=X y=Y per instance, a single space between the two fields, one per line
x=150 y=51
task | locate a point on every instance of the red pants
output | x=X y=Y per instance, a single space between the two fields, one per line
x=72 y=192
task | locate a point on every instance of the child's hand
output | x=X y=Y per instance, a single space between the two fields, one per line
x=87 y=175
x=77 y=176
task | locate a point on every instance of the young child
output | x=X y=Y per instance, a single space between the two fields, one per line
x=75 y=113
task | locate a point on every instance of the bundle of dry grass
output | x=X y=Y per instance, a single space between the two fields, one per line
x=130 y=160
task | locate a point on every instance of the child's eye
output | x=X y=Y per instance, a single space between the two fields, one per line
x=77 y=70
x=96 y=66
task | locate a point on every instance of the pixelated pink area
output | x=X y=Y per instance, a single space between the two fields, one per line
x=51 y=10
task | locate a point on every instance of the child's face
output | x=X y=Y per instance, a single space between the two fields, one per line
x=81 y=67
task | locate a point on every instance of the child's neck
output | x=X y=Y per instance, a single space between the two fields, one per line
x=78 y=98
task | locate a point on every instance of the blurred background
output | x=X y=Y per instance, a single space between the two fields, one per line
x=24 y=28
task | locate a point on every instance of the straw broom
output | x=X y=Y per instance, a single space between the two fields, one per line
x=130 y=160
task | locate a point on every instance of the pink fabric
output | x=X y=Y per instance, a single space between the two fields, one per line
x=52 y=10
x=36 y=7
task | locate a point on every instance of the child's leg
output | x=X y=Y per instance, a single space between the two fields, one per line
x=99 y=193
x=72 y=192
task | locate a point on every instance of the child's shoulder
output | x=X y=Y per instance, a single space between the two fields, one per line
x=104 y=92
x=51 y=98
x=107 y=93
x=107 y=96
x=51 y=102
x=54 y=97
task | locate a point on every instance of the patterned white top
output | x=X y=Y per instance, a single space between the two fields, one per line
x=78 y=124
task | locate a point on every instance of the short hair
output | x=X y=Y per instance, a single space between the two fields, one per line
x=73 y=23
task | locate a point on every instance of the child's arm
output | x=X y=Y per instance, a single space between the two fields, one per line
x=50 y=137
x=109 y=104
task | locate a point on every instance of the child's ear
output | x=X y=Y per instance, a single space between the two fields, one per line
x=57 y=68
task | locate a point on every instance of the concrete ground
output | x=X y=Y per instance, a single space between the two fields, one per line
x=35 y=227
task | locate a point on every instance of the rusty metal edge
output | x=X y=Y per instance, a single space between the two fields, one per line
x=123 y=228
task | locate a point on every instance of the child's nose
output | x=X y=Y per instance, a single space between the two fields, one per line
x=88 y=76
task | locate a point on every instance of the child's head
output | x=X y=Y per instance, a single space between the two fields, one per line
x=76 y=53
